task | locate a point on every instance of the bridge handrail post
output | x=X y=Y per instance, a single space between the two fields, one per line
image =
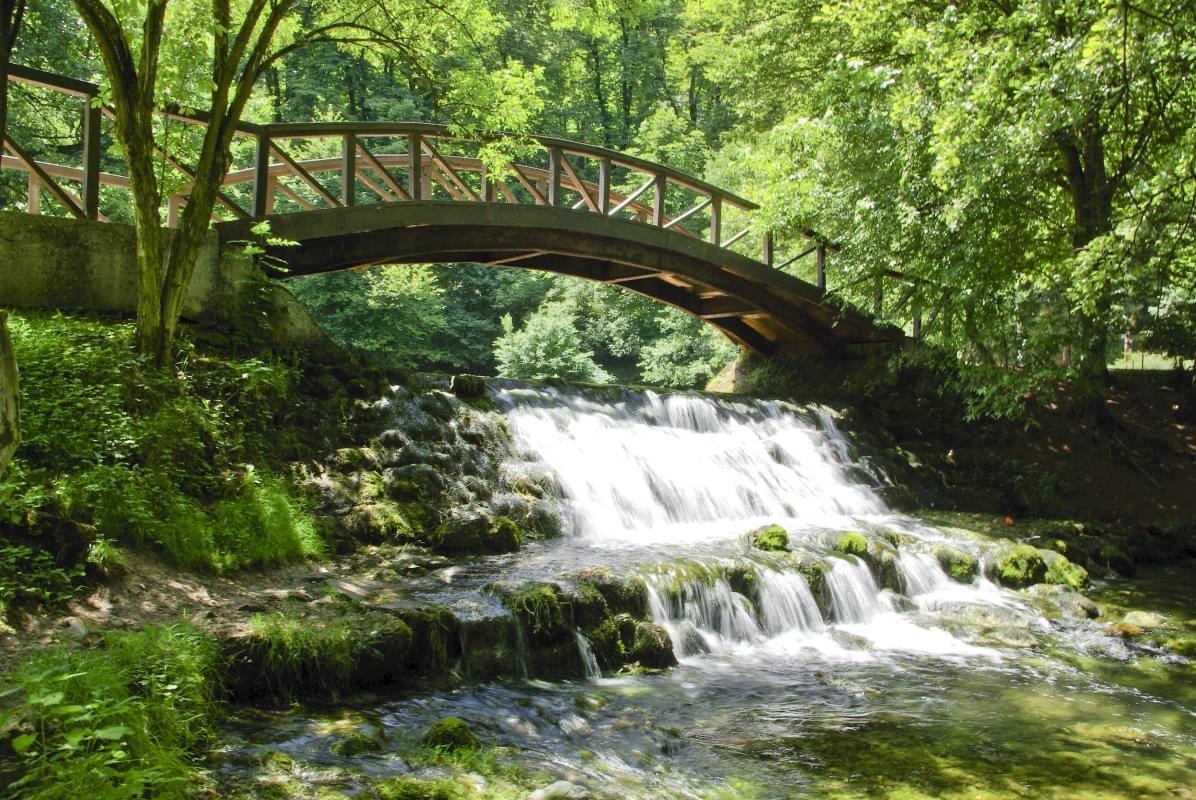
x=92 y=121
x=349 y=170
x=604 y=186
x=554 y=176
x=820 y=265
x=415 y=166
x=662 y=185
x=261 y=177
x=767 y=256
x=716 y=220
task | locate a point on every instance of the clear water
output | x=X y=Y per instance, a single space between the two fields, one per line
x=927 y=688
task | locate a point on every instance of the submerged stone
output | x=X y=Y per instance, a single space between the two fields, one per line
x=451 y=733
x=561 y=790
x=770 y=537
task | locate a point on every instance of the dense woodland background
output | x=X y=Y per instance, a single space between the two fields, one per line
x=1018 y=176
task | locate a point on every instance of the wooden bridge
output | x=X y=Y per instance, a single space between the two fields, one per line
x=355 y=194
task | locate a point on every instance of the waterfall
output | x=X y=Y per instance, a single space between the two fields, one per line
x=670 y=485
x=682 y=468
x=588 y=660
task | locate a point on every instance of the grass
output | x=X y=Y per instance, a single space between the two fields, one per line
x=185 y=463
x=122 y=721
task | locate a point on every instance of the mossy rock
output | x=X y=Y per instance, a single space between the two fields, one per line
x=607 y=641
x=771 y=537
x=959 y=565
x=814 y=573
x=543 y=611
x=852 y=544
x=416 y=789
x=378 y=522
x=1182 y=645
x=1114 y=559
x=742 y=579
x=355 y=744
x=652 y=647
x=589 y=606
x=467 y=386
x=1062 y=572
x=451 y=733
x=886 y=568
x=476 y=533
x=623 y=595
x=1019 y=567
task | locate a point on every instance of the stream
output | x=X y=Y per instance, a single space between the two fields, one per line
x=866 y=677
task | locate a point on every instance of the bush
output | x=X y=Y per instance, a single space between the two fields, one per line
x=117 y=722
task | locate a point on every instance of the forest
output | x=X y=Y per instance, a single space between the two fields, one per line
x=1015 y=180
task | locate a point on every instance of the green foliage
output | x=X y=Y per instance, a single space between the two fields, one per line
x=546 y=346
x=299 y=653
x=152 y=460
x=31 y=578
x=416 y=789
x=118 y=722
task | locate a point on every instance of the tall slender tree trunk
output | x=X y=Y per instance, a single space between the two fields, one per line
x=1092 y=217
x=11 y=12
x=10 y=408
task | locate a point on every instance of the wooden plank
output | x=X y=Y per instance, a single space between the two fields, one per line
x=33 y=196
x=578 y=184
x=738 y=236
x=305 y=176
x=53 y=81
x=820 y=265
x=631 y=198
x=686 y=214
x=604 y=167
x=716 y=220
x=724 y=306
x=415 y=169
x=505 y=190
x=554 y=177
x=767 y=255
x=447 y=168
x=383 y=172
x=662 y=186
x=375 y=187
x=537 y=196
x=349 y=170
x=60 y=194
x=434 y=172
x=261 y=178
x=92 y=120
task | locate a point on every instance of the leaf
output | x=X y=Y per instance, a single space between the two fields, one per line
x=22 y=743
x=113 y=732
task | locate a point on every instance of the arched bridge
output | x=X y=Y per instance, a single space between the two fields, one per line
x=354 y=194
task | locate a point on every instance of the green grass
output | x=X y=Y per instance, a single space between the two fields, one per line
x=122 y=721
x=183 y=462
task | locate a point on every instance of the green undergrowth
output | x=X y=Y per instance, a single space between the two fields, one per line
x=124 y=720
x=187 y=463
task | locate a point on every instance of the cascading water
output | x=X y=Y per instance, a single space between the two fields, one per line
x=644 y=479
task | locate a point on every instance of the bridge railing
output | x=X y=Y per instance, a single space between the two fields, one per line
x=285 y=167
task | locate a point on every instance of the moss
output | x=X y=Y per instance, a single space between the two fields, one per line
x=770 y=537
x=652 y=646
x=961 y=566
x=852 y=544
x=543 y=612
x=451 y=733
x=478 y=533
x=1020 y=566
x=814 y=573
x=416 y=789
x=742 y=579
x=468 y=386
x=1064 y=573
x=1114 y=559
x=589 y=606
x=355 y=744
x=622 y=595
x=1184 y=645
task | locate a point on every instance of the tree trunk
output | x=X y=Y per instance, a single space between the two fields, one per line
x=10 y=408
x=11 y=12
x=1092 y=216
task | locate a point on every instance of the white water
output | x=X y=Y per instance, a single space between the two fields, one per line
x=678 y=468
x=687 y=476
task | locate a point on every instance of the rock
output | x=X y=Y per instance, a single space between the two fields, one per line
x=770 y=537
x=468 y=385
x=1143 y=620
x=961 y=566
x=1063 y=572
x=652 y=647
x=1114 y=559
x=561 y=790
x=412 y=480
x=355 y=744
x=74 y=629
x=852 y=544
x=1019 y=567
x=623 y=596
x=476 y=533
x=451 y=733
x=1063 y=602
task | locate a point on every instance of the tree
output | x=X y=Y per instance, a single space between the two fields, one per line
x=10 y=409
x=547 y=346
x=11 y=13
x=231 y=45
